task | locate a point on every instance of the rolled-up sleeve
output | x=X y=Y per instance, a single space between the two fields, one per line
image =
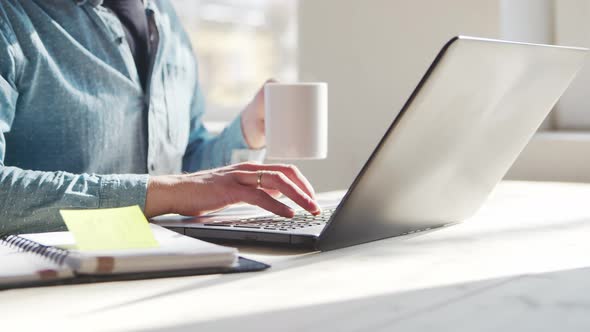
x=30 y=200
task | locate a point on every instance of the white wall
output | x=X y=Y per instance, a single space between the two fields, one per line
x=562 y=154
x=529 y=21
x=572 y=28
x=373 y=53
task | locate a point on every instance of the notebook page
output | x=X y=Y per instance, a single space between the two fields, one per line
x=19 y=267
x=63 y=240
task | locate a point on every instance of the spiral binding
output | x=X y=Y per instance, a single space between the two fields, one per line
x=56 y=255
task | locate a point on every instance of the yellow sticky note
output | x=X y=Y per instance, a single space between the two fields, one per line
x=109 y=229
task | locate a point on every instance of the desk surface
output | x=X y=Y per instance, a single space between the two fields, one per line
x=522 y=263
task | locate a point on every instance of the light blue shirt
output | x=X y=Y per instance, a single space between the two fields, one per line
x=76 y=128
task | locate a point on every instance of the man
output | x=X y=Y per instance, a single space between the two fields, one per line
x=100 y=106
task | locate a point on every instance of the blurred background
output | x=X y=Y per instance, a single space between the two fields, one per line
x=239 y=45
x=372 y=53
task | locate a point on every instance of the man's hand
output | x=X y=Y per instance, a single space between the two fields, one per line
x=199 y=193
x=253 y=120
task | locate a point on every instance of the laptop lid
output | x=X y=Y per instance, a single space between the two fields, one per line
x=462 y=128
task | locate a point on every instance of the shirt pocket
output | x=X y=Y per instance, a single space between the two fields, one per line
x=178 y=94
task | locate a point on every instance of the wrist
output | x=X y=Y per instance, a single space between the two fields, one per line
x=159 y=196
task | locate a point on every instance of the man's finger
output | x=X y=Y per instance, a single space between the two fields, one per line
x=280 y=182
x=273 y=193
x=262 y=199
x=292 y=172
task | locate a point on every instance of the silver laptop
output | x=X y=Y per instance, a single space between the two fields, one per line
x=466 y=122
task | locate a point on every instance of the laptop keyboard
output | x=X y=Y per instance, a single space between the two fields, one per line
x=300 y=220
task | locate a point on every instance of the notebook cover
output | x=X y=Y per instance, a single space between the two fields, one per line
x=244 y=265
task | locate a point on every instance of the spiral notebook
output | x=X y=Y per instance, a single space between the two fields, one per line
x=50 y=259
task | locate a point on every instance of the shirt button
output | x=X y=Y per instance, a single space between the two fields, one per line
x=152 y=167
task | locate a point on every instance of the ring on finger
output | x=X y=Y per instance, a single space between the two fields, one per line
x=259 y=179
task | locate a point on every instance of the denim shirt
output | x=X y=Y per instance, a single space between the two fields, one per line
x=76 y=128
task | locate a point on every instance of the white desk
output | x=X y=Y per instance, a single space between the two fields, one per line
x=522 y=263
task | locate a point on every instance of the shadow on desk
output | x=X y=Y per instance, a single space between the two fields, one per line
x=310 y=258
x=552 y=301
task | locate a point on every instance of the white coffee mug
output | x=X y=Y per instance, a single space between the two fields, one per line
x=296 y=121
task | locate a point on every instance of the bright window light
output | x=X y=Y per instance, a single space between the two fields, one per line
x=240 y=44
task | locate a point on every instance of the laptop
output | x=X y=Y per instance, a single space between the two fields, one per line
x=472 y=113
